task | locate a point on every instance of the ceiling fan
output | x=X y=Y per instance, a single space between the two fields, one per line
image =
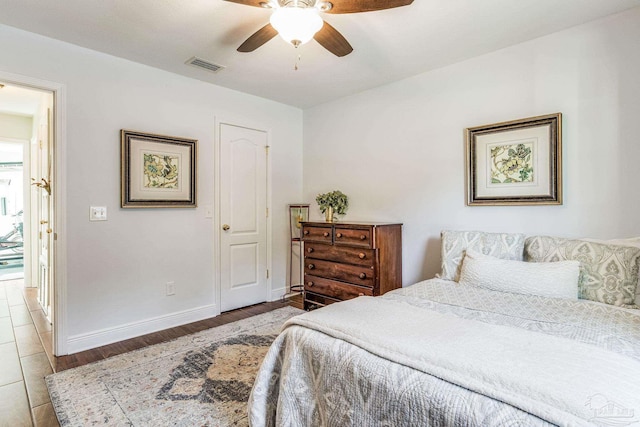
x=298 y=21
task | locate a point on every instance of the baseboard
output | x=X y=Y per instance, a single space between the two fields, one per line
x=106 y=336
x=277 y=294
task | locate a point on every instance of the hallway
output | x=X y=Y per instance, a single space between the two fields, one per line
x=25 y=358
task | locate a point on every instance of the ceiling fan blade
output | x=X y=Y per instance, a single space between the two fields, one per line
x=258 y=38
x=256 y=3
x=354 y=6
x=333 y=41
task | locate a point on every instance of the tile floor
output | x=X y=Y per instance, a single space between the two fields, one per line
x=24 y=360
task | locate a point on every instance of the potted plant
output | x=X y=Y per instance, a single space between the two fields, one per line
x=332 y=203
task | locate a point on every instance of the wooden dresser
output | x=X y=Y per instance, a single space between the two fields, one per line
x=344 y=260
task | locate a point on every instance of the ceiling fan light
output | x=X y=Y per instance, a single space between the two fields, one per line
x=296 y=25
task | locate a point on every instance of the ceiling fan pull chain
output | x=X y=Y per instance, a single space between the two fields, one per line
x=295 y=67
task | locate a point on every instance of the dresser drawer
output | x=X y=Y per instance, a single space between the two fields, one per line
x=359 y=275
x=317 y=234
x=358 y=256
x=313 y=301
x=334 y=289
x=360 y=237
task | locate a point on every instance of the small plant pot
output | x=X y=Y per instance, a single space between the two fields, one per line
x=328 y=214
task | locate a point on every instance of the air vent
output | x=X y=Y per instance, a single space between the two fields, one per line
x=206 y=65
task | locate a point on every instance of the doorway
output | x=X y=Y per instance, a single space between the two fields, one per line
x=243 y=216
x=27 y=122
x=12 y=205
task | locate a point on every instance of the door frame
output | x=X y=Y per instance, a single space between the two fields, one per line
x=59 y=306
x=217 y=247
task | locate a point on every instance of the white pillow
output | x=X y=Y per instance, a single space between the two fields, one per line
x=547 y=279
x=499 y=245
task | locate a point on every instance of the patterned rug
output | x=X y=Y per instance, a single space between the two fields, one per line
x=203 y=379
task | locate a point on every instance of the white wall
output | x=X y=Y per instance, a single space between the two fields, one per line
x=398 y=150
x=14 y=126
x=117 y=269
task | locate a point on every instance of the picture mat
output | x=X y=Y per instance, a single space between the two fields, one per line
x=138 y=191
x=541 y=163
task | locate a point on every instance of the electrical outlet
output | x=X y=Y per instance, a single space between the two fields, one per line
x=98 y=213
x=171 y=288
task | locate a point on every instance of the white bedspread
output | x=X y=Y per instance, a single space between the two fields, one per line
x=544 y=369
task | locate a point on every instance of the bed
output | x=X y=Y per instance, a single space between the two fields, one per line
x=451 y=351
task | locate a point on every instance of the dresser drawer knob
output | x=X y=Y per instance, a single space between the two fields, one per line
x=306 y=232
x=309 y=250
x=311 y=267
x=338 y=235
x=363 y=275
x=360 y=294
x=363 y=237
x=310 y=284
x=325 y=234
x=362 y=255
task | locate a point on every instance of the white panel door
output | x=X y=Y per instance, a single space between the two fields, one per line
x=243 y=216
x=45 y=215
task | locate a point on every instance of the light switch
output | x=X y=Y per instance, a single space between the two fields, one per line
x=98 y=213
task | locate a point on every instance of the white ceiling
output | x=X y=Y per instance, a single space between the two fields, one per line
x=388 y=45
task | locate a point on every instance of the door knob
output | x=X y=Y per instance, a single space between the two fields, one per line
x=226 y=227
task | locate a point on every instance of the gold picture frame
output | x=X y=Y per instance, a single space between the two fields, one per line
x=157 y=171
x=515 y=163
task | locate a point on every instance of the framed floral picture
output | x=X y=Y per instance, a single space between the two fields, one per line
x=515 y=163
x=157 y=171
